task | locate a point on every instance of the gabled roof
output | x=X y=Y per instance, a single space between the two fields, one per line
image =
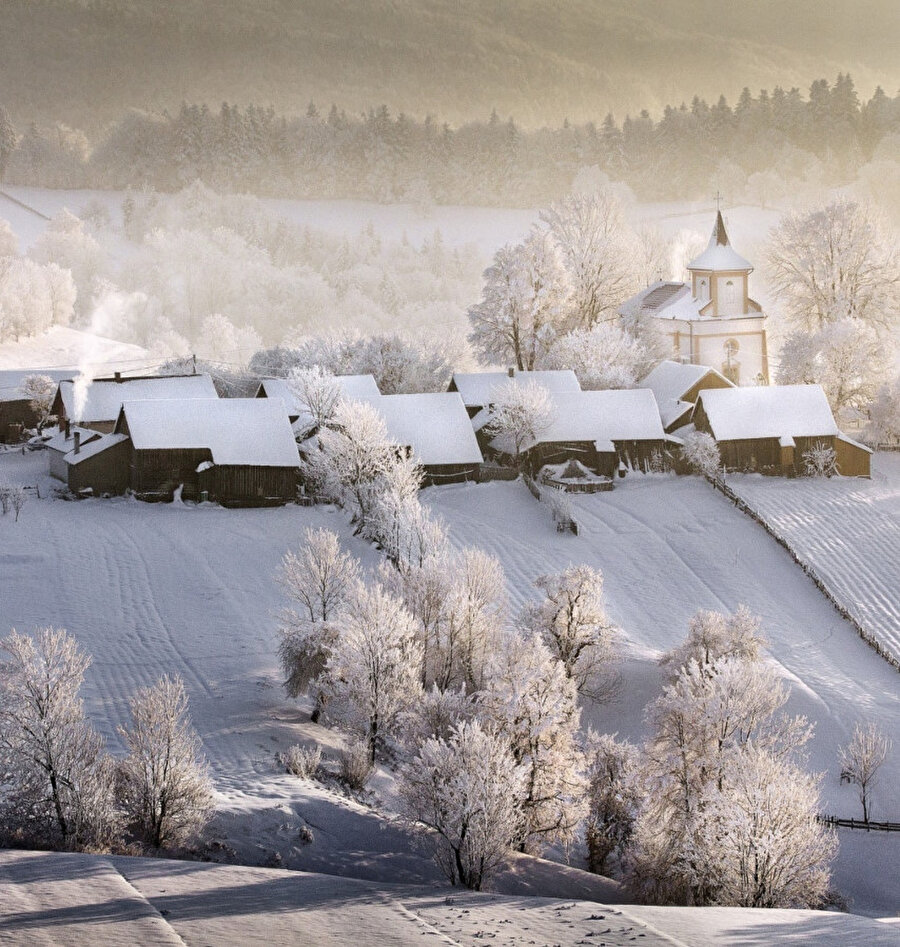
x=353 y=388
x=671 y=381
x=767 y=411
x=251 y=432
x=476 y=388
x=719 y=254
x=435 y=427
x=105 y=396
x=665 y=300
x=11 y=382
x=600 y=417
x=59 y=441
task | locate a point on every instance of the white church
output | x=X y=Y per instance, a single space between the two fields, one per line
x=712 y=321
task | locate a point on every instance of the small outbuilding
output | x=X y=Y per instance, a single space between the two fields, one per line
x=64 y=442
x=100 y=467
x=676 y=386
x=770 y=428
x=237 y=451
x=96 y=404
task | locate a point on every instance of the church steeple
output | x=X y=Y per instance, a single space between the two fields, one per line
x=719 y=255
x=719 y=235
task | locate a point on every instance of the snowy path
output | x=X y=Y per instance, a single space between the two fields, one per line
x=849 y=531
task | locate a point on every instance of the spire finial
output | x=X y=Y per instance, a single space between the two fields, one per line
x=718 y=200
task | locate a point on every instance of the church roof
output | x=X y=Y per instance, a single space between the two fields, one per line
x=719 y=255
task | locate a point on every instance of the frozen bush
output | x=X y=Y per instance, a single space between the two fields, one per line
x=356 y=766
x=302 y=761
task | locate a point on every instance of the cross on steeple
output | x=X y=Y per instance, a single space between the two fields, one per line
x=718 y=200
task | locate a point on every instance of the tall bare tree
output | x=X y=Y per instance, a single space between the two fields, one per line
x=861 y=759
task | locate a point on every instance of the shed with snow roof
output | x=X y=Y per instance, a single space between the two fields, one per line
x=435 y=430
x=239 y=451
x=601 y=429
x=64 y=442
x=100 y=467
x=769 y=429
x=676 y=385
x=96 y=404
x=476 y=388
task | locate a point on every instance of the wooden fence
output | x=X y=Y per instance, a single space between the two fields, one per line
x=719 y=483
x=859 y=824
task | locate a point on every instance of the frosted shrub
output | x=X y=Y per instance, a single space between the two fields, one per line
x=560 y=505
x=702 y=453
x=820 y=461
x=301 y=761
x=356 y=767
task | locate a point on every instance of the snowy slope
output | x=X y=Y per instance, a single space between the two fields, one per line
x=848 y=530
x=64 y=348
x=153 y=589
x=52 y=898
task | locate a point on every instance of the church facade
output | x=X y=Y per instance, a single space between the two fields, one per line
x=712 y=320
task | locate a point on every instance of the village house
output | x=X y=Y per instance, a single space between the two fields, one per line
x=96 y=404
x=64 y=442
x=434 y=429
x=600 y=429
x=476 y=388
x=770 y=428
x=712 y=320
x=16 y=412
x=676 y=386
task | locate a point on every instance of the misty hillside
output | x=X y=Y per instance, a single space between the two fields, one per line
x=83 y=61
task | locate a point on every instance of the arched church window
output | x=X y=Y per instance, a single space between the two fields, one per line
x=731 y=294
x=703 y=289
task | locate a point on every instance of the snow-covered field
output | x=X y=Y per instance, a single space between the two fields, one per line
x=848 y=530
x=96 y=901
x=153 y=589
x=63 y=348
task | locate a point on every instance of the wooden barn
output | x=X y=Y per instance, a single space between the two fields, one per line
x=436 y=431
x=237 y=451
x=16 y=413
x=476 y=388
x=601 y=429
x=96 y=404
x=676 y=386
x=769 y=428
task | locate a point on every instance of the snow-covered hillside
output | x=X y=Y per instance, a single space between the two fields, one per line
x=64 y=348
x=153 y=589
x=848 y=530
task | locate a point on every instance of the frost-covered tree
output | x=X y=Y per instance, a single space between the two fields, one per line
x=41 y=390
x=524 y=303
x=58 y=778
x=884 y=415
x=833 y=263
x=846 y=357
x=861 y=759
x=820 y=461
x=519 y=413
x=716 y=719
x=702 y=453
x=598 y=249
x=9 y=244
x=468 y=789
x=531 y=701
x=603 y=356
x=373 y=672
x=572 y=622
x=319 y=580
x=612 y=798
x=165 y=781
x=318 y=393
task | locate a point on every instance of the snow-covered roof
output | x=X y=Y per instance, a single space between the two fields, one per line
x=11 y=382
x=353 y=388
x=435 y=427
x=252 y=432
x=94 y=447
x=719 y=255
x=105 y=396
x=782 y=411
x=665 y=300
x=63 y=444
x=671 y=381
x=600 y=417
x=476 y=388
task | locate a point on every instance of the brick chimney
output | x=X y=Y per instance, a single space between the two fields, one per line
x=118 y=377
x=77 y=446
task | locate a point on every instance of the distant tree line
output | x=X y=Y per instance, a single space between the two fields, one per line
x=761 y=142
